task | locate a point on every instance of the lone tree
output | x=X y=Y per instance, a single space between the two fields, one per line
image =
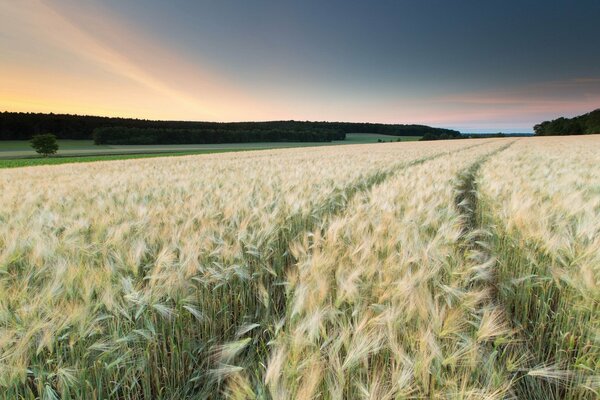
x=45 y=145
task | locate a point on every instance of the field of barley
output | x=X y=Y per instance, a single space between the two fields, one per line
x=465 y=269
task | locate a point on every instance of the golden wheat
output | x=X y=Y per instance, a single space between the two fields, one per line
x=542 y=199
x=384 y=304
x=120 y=279
x=459 y=269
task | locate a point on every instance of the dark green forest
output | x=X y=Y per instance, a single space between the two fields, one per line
x=121 y=135
x=22 y=126
x=585 y=124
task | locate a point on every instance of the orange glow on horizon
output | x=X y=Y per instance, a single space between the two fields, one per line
x=159 y=85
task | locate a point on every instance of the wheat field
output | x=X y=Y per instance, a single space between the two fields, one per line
x=465 y=269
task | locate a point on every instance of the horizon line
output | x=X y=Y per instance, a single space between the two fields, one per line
x=460 y=130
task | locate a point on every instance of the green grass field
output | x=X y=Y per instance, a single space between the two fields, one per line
x=23 y=145
x=30 y=162
x=18 y=153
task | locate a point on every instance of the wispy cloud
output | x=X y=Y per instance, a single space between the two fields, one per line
x=574 y=93
x=98 y=38
x=519 y=106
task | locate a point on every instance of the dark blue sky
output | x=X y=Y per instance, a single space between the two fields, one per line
x=471 y=65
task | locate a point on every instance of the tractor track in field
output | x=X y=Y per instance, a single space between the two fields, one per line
x=340 y=200
x=476 y=252
x=473 y=238
x=281 y=263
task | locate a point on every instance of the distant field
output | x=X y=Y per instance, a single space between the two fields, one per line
x=30 y=162
x=15 y=153
x=14 y=149
x=9 y=146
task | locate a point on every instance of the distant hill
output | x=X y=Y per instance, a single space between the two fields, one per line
x=585 y=124
x=21 y=126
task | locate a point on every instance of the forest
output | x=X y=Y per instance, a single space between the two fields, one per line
x=122 y=135
x=585 y=124
x=22 y=126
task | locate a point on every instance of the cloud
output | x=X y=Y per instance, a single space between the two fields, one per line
x=520 y=106
x=97 y=38
x=576 y=92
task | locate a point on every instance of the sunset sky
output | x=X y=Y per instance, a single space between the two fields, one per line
x=471 y=65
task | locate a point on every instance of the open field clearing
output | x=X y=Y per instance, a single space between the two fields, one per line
x=32 y=162
x=15 y=149
x=20 y=149
x=463 y=269
x=15 y=153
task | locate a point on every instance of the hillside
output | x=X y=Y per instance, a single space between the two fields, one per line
x=585 y=124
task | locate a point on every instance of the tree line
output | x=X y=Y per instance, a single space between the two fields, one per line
x=22 y=126
x=122 y=135
x=441 y=136
x=585 y=124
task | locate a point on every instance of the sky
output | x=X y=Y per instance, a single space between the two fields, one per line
x=471 y=65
